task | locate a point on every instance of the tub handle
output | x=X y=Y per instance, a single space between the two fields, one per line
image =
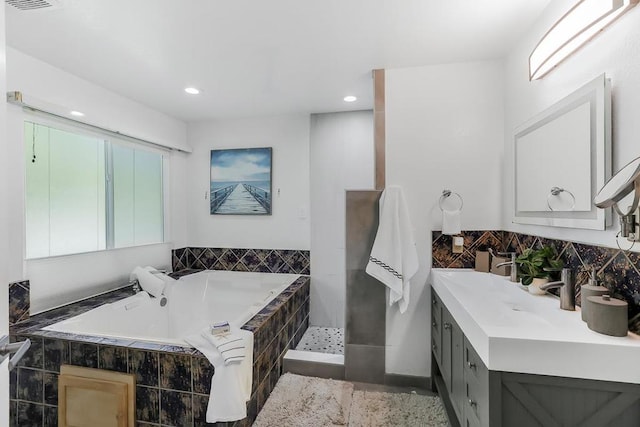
x=19 y=348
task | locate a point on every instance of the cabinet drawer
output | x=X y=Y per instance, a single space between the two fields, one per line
x=477 y=402
x=474 y=369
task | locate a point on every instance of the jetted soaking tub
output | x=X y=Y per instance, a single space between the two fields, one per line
x=193 y=302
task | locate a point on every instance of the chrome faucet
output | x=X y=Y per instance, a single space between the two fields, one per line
x=512 y=263
x=567 y=289
x=136 y=285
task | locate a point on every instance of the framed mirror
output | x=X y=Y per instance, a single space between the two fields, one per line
x=562 y=157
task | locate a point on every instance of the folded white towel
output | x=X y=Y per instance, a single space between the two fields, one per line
x=231 y=383
x=394 y=259
x=231 y=346
x=150 y=283
x=451 y=222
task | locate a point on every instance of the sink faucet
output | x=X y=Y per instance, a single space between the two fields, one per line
x=567 y=289
x=512 y=263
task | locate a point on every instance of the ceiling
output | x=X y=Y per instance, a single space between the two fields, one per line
x=258 y=57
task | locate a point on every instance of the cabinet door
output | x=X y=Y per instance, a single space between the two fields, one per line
x=445 y=366
x=457 y=390
x=436 y=327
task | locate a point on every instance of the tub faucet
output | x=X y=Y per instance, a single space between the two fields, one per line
x=136 y=285
x=512 y=263
x=567 y=289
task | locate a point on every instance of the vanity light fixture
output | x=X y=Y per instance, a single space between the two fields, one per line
x=581 y=23
x=350 y=98
x=76 y=113
x=192 y=90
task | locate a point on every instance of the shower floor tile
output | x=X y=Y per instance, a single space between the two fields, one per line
x=322 y=340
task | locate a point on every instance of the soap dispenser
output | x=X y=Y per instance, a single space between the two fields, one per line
x=592 y=289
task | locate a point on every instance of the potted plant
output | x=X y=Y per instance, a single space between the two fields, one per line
x=535 y=267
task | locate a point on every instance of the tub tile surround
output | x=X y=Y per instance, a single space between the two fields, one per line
x=172 y=383
x=255 y=260
x=19 y=302
x=616 y=269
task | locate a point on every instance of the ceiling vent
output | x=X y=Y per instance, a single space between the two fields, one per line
x=34 y=4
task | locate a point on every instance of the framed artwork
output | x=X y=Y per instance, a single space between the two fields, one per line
x=240 y=181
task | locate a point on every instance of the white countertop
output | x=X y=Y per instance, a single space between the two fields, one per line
x=514 y=331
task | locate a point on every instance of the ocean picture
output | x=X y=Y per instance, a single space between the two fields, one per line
x=240 y=181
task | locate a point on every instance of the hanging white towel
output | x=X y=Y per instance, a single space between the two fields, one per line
x=451 y=222
x=394 y=259
x=231 y=383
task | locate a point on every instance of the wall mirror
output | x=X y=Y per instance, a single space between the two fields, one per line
x=562 y=157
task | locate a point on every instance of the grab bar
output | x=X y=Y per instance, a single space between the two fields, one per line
x=19 y=348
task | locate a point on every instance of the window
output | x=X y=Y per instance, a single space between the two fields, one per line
x=87 y=192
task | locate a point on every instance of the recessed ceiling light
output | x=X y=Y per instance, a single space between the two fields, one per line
x=349 y=98
x=76 y=113
x=191 y=90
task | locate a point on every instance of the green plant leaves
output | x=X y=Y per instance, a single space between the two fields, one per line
x=538 y=263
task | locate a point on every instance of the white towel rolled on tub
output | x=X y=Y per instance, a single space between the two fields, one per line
x=394 y=259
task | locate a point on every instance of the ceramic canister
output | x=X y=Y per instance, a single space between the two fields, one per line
x=587 y=291
x=608 y=316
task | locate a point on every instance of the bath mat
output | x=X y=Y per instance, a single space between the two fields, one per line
x=306 y=401
x=299 y=401
x=371 y=408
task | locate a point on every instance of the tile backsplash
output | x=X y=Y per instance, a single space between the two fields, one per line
x=256 y=260
x=616 y=269
x=19 y=302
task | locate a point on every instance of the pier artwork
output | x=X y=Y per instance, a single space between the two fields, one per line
x=240 y=182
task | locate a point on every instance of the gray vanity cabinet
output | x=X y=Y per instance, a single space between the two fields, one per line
x=474 y=396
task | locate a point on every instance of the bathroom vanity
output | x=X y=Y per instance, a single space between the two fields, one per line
x=504 y=357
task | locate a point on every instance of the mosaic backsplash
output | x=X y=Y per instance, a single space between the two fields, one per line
x=616 y=269
x=256 y=260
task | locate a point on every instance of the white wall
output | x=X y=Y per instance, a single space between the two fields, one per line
x=616 y=52
x=4 y=246
x=342 y=158
x=288 y=226
x=444 y=129
x=60 y=280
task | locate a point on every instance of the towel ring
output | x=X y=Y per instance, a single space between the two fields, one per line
x=445 y=195
x=555 y=191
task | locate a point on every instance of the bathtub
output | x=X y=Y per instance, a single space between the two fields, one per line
x=193 y=302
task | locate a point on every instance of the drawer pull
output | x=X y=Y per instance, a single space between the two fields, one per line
x=434 y=324
x=471 y=365
x=473 y=403
x=435 y=347
x=434 y=302
x=447 y=325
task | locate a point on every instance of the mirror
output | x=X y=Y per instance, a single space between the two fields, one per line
x=619 y=187
x=562 y=156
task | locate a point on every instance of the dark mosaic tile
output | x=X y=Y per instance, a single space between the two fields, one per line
x=228 y=259
x=175 y=372
x=250 y=260
x=263 y=394
x=252 y=408
x=13 y=384
x=50 y=388
x=30 y=385
x=113 y=358
x=19 y=301
x=465 y=260
x=526 y=241
x=240 y=267
x=510 y=242
x=199 y=264
x=56 y=352
x=176 y=409
x=209 y=257
x=144 y=364
x=200 y=403
x=50 y=416
x=13 y=413
x=29 y=414
x=624 y=280
x=34 y=357
x=262 y=254
x=202 y=371
x=274 y=261
x=83 y=354
x=594 y=256
x=147 y=404
x=262 y=268
x=571 y=258
x=488 y=239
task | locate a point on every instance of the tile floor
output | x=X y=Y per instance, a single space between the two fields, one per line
x=322 y=340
